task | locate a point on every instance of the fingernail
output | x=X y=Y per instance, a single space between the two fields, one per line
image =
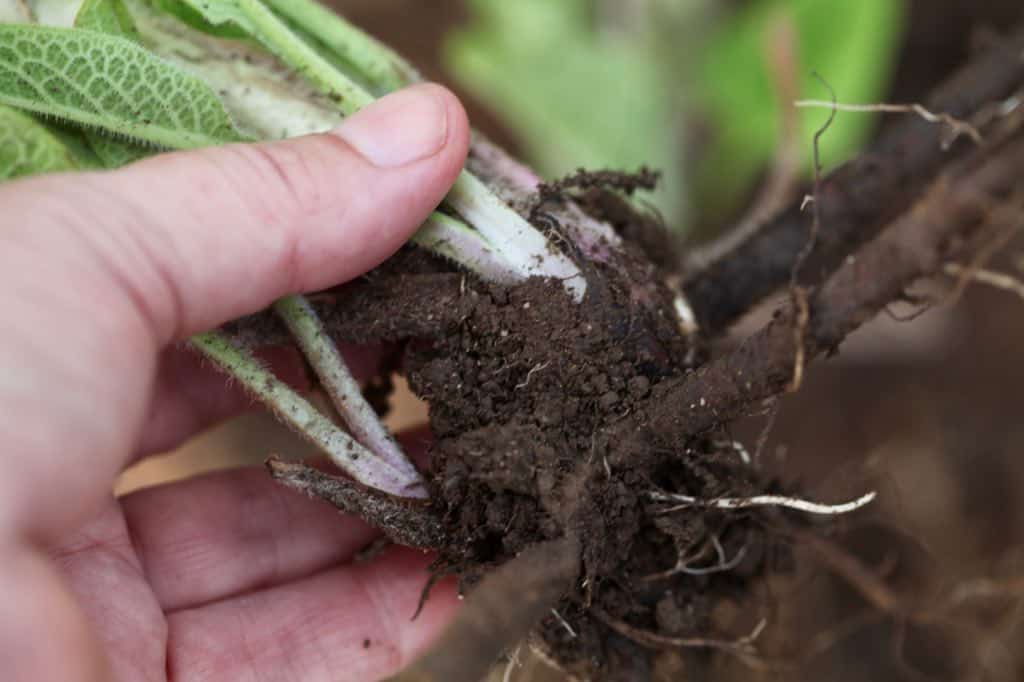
x=402 y=128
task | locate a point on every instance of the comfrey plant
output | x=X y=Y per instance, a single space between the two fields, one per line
x=582 y=471
x=136 y=77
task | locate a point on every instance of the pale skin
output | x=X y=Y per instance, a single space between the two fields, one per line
x=102 y=276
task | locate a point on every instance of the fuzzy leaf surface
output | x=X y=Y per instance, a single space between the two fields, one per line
x=27 y=147
x=218 y=12
x=274 y=33
x=110 y=83
x=260 y=92
x=183 y=12
x=114 y=18
x=578 y=97
x=107 y=16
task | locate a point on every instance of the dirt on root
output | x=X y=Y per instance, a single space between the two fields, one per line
x=541 y=410
x=525 y=387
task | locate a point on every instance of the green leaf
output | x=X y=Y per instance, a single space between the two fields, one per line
x=107 y=16
x=74 y=139
x=94 y=148
x=112 y=17
x=576 y=95
x=187 y=15
x=851 y=44
x=220 y=12
x=110 y=83
x=260 y=92
x=115 y=153
x=27 y=147
x=351 y=48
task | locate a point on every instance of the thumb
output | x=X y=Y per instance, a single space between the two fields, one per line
x=98 y=271
x=200 y=237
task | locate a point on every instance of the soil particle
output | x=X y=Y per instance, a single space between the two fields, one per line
x=644 y=179
x=539 y=408
x=523 y=392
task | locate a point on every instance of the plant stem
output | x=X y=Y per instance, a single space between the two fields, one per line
x=275 y=35
x=344 y=391
x=520 y=243
x=300 y=415
x=454 y=240
x=379 y=66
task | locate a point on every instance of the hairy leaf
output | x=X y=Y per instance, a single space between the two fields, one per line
x=190 y=16
x=74 y=139
x=28 y=147
x=219 y=12
x=113 y=17
x=273 y=32
x=261 y=93
x=107 y=16
x=110 y=83
x=578 y=95
x=114 y=152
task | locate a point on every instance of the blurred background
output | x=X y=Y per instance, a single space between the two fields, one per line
x=927 y=412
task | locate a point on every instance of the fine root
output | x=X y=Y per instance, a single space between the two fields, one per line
x=998 y=280
x=744 y=647
x=800 y=321
x=795 y=503
x=684 y=563
x=957 y=128
x=812 y=238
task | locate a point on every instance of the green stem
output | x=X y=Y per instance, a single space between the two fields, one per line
x=525 y=249
x=519 y=242
x=300 y=415
x=342 y=388
x=275 y=35
x=378 y=65
x=454 y=240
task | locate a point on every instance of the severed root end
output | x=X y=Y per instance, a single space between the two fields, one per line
x=404 y=521
x=502 y=609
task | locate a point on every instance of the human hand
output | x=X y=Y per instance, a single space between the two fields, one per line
x=226 y=577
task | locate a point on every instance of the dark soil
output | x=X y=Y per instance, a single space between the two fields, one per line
x=539 y=406
x=525 y=388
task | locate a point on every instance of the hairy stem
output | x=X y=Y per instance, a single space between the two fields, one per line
x=411 y=523
x=379 y=66
x=344 y=391
x=275 y=35
x=300 y=415
x=452 y=239
x=525 y=249
x=516 y=184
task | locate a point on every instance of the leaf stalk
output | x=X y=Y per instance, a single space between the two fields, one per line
x=299 y=414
